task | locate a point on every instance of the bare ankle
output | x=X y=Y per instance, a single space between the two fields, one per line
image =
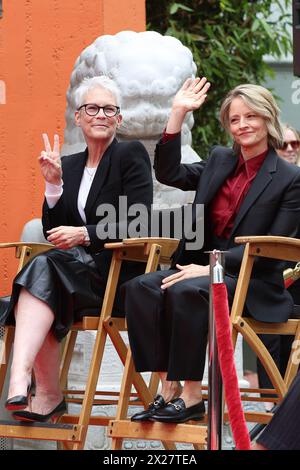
x=19 y=383
x=47 y=395
x=171 y=389
x=192 y=393
x=19 y=372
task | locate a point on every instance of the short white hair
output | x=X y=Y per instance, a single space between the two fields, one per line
x=89 y=84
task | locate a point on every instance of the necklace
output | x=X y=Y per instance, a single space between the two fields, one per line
x=90 y=172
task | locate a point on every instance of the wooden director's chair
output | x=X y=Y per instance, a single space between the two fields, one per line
x=282 y=248
x=192 y=432
x=71 y=431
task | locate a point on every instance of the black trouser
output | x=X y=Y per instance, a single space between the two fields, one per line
x=168 y=329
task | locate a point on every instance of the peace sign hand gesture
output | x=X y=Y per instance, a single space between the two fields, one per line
x=50 y=161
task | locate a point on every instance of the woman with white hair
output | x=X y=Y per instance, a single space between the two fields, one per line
x=55 y=287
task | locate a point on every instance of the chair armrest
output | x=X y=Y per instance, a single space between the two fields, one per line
x=27 y=250
x=167 y=247
x=268 y=239
x=141 y=241
x=29 y=244
x=282 y=248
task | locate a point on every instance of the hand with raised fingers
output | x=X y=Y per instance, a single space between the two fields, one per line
x=50 y=161
x=192 y=94
x=190 y=97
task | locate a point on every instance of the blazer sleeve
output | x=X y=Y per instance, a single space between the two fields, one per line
x=285 y=224
x=170 y=171
x=137 y=186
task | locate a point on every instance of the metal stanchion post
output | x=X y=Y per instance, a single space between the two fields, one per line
x=215 y=390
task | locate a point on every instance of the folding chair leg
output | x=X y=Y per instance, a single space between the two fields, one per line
x=5 y=350
x=293 y=363
x=138 y=381
x=265 y=357
x=127 y=380
x=122 y=407
x=67 y=358
x=199 y=446
x=91 y=386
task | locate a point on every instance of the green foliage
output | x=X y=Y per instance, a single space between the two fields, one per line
x=228 y=39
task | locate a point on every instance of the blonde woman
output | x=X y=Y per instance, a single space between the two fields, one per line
x=247 y=190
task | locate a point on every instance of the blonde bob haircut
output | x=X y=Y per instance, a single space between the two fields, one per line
x=261 y=101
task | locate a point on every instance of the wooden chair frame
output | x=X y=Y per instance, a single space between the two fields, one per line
x=72 y=429
x=121 y=427
x=281 y=248
x=271 y=247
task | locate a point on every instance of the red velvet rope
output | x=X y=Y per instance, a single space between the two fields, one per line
x=227 y=366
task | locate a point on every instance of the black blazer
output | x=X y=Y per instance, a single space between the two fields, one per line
x=124 y=170
x=271 y=207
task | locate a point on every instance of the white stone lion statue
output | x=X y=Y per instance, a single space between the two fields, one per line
x=148 y=68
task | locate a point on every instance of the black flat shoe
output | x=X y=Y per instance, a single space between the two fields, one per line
x=158 y=403
x=176 y=412
x=53 y=416
x=19 y=402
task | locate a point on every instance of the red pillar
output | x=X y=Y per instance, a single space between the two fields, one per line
x=39 y=43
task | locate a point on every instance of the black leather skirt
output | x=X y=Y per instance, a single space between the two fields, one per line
x=67 y=280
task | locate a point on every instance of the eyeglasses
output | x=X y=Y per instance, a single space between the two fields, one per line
x=92 y=109
x=295 y=144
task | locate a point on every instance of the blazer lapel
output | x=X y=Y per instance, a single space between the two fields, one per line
x=208 y=191
x=75 y=180
x=261 y=181
x=99 y=179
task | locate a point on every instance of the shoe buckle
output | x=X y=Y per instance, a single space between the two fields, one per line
x=177 y=407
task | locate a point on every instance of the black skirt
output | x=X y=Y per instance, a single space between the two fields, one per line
x=67 y=280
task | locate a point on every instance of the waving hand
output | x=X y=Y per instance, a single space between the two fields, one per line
x=192 y=94
x=190 y=97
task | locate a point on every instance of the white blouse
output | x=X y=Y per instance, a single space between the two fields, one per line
x=53 y=192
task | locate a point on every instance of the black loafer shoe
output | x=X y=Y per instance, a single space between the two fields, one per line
x=176 y=412
x=158 y=403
